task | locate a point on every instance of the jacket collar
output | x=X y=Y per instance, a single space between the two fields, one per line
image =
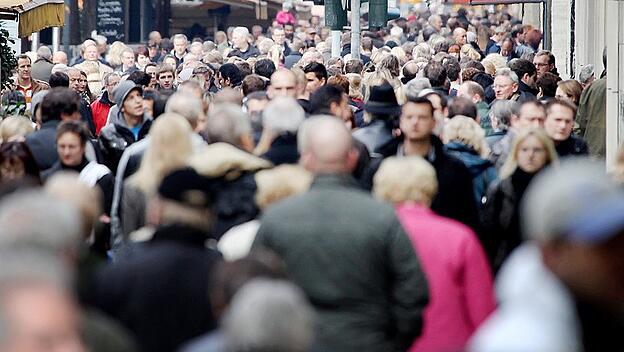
x=333 y=181
x=180 y=233
x=50 y=124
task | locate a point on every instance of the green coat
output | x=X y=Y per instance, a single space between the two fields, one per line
x=351 y=256
x=591 y=117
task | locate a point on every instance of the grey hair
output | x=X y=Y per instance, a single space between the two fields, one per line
x=283 y=114
x=37 y=219
x=507 y=72
x=586 y=73
x=241 y=30
x=503 y=110
x=107 y=77
x=415 y=86
x=179 y=36
x=188 y=106
x=226 y=123
x=269 y=315
x=44 y=52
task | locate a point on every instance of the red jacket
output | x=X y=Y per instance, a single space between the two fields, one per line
x=100 y=109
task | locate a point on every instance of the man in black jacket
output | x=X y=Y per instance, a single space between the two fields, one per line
x=527 y=75
x=455 y=195
x=558 y=126
x=160 y=293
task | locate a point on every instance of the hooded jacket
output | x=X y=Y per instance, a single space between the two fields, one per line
x=117 y=136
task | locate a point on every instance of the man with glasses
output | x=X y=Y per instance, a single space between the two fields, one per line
x=101 y=107
x=78 y=83
x=544 y=61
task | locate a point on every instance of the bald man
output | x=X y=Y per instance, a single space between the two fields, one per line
x=59 y=57
x=283 y=84
x=346 y=250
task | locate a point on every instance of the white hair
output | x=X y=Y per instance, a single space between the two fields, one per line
x=283 y=114
x=507 y=72
x=179 y=36
x=241 y=31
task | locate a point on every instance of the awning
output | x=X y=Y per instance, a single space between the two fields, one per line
x=36 y=15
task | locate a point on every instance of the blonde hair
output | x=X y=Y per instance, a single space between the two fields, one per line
x=468 y=51
x=511 y=164
x=265 y=45
x=391 y=185
x=422 y=51
x=281 y=182
x=494 y=62
x=467 y=131
x=355 y=85
x=400 y=54
x=170 y=148
x=15 y=127
x=380 y=77
x=114 y=53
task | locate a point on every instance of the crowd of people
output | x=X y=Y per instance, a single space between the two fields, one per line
x=250 y=192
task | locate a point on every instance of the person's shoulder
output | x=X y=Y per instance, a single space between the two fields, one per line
x=41 y=83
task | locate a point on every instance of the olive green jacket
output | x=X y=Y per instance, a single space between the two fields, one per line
x=351 y=256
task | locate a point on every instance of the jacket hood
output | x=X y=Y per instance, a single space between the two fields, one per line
x=225 y=160
x=119 y=120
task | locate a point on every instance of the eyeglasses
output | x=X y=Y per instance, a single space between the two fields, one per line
x=79 y=80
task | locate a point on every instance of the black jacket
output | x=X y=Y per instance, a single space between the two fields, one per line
x=252 y=51
x=42 y=144
x=376 y=136
x=161 y=292
x=455 y=198
x=283 y=150
x=530 y=92
x=573 y=146
x=502 y=220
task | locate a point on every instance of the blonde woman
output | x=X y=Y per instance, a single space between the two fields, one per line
x=273 y=185
x=532 y=151
x=169 y=149
x=114 y=54
x=15 y=128
x=469 y=52
x=465 y=140
x=493 y=63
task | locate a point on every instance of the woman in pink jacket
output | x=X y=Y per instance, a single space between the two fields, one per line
x=460 y=280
